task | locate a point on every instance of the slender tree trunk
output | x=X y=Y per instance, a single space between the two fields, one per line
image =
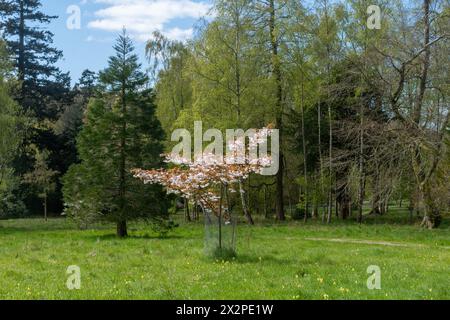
x=220 y=216
x=45 y=207
x=330 y=120
x=336 y=201
x=315 y=212
x=361 y=165
x=305 y=164
x=279 y=113
x=330 y=166
x=248 y=196
x=344 y=204
x=350 y=212
x=21 y=56
x=181 y=82
x=237 y=67
x=417 y=114
x=319 y=124
x=247 y=214
x=186 y=210
x=361 y=200
x=265 y=202
x=122 y=225
x=227 y=198
x=288 y=192
x=411 y=216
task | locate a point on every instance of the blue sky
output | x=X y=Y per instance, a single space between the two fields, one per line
x=101 y=21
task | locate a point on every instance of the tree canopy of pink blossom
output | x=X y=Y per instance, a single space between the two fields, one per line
x=201 y=181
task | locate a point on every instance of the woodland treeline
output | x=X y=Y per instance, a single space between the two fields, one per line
x=363 y=112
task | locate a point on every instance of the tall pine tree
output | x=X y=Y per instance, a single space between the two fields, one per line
x=21 y=22
x=121 y=132
x=43 y=89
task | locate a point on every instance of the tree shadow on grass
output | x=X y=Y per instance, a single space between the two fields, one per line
x=11 y=230
x=111 y=236
x=249 y=259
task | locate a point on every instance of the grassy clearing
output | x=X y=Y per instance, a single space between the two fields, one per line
x=275 y=261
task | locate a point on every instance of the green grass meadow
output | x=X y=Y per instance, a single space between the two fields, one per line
x=289 y=260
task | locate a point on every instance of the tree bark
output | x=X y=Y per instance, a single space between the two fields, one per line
x=21 y=56
x=344 y=211
x=361 y=165
x=247 y=214
x=279 y=114
x=330 y=122
x=227 y=198
x=432 y=216
x=45 y=207
x=330 y=166
x=220 y=216
x=305 y=165
x=122 y=231
x=417 y=114
x=266 y=215
x=122 y=224
x=186 y=210
x=319 y=126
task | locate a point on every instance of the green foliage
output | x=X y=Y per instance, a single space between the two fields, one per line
x=42 y=92
x=88 y=82
x=42 y=177
x=70 y=122
x=120 y=133
x=163 y=226
x=35 y=62
x=299 y=212
x=11 y=136
x=341 y=94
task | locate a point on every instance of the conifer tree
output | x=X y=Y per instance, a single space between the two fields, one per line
x=120 y=133
x=32 y=49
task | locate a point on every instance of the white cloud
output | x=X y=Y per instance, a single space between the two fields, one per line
x=142 y=17
x=177 y=33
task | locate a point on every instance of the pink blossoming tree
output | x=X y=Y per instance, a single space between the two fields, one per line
x=208 y=180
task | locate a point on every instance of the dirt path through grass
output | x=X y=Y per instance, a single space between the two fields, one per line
x=382 y=243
